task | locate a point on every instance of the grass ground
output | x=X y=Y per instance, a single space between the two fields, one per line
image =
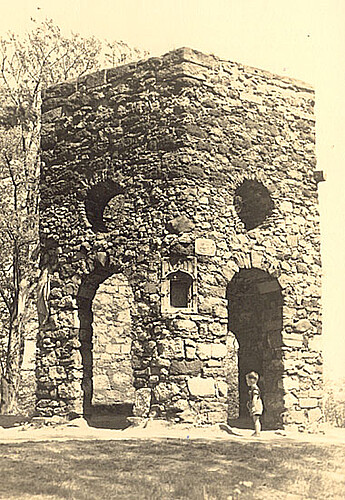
x=171 y=469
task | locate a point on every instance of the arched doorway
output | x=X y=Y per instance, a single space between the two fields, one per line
x=255 y=306
x=104 y=304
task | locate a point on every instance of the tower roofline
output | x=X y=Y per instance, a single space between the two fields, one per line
x=177 y=58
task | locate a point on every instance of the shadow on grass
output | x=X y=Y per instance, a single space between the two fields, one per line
x=171 y=469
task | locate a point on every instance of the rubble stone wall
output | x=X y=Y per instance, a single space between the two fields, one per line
x=193 y=178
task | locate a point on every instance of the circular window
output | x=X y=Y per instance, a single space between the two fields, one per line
x=96 y=204
x=253 y=203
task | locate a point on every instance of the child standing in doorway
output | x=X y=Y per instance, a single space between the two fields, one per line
x=254 y=404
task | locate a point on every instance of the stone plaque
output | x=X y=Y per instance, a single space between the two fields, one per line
x=205 y=246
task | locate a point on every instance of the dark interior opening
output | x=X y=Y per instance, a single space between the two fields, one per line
x=97 y=199
x=180 y=289
x=253 y=203
x=255 y=305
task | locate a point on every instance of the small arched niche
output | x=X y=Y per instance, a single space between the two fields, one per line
x=96 y=201
x=179 y=286
x=253 y=203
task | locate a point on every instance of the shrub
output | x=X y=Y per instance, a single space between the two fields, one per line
x=334 y=406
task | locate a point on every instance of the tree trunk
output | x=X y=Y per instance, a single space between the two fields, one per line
x=10 y=379
x=8 y=395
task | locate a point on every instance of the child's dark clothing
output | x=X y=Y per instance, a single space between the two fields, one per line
x=255 y=405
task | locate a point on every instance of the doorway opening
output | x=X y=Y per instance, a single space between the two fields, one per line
x=105 y=302
x=255 y=307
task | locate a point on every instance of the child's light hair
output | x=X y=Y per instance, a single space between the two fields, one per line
x=253 y=375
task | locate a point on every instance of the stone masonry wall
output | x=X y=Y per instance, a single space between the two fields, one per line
x=183 y=167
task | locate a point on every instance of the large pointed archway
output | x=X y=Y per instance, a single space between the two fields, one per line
x=255 y=305
x=104 y=304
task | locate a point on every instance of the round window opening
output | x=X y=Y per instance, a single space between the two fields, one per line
x=253 y=203
x=102 y=206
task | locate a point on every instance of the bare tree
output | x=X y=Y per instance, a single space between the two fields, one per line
x=42 y=57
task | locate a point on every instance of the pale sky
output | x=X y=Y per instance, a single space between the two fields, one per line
x=304 y=39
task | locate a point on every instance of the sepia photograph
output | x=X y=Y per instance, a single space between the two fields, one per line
x=172 y=293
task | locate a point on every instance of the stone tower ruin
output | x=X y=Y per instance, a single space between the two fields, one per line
x=180 y=249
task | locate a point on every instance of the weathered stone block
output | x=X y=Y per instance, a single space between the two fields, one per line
x=289 y=383
x=293 y=417
x=221 y=311
x=218 y=351
x=142 y=402
x=222 y=388
x=190 y=352
x=214 y=363
x=284 y=280
x=303 y=325
x=178 y=348
x=165 y=348
x=218 y=329
x=186 y=325
x=180 y=404
x=286 y=207
x=201 y=387
x=165 y=391
x=185 y=367
x=207 y=304
x=171 y=348
x=162 y=363
x=229 y=270
x=308 y=402
x=292 y=340
x=204 y=351
x=290 y=365
x=205 y=246
x=188 y=416
x=101 y=383
x=315 y=393
x=314 y=415
x=57 y=372
x=181 y=224
x=125 y=348
x=290 y=400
